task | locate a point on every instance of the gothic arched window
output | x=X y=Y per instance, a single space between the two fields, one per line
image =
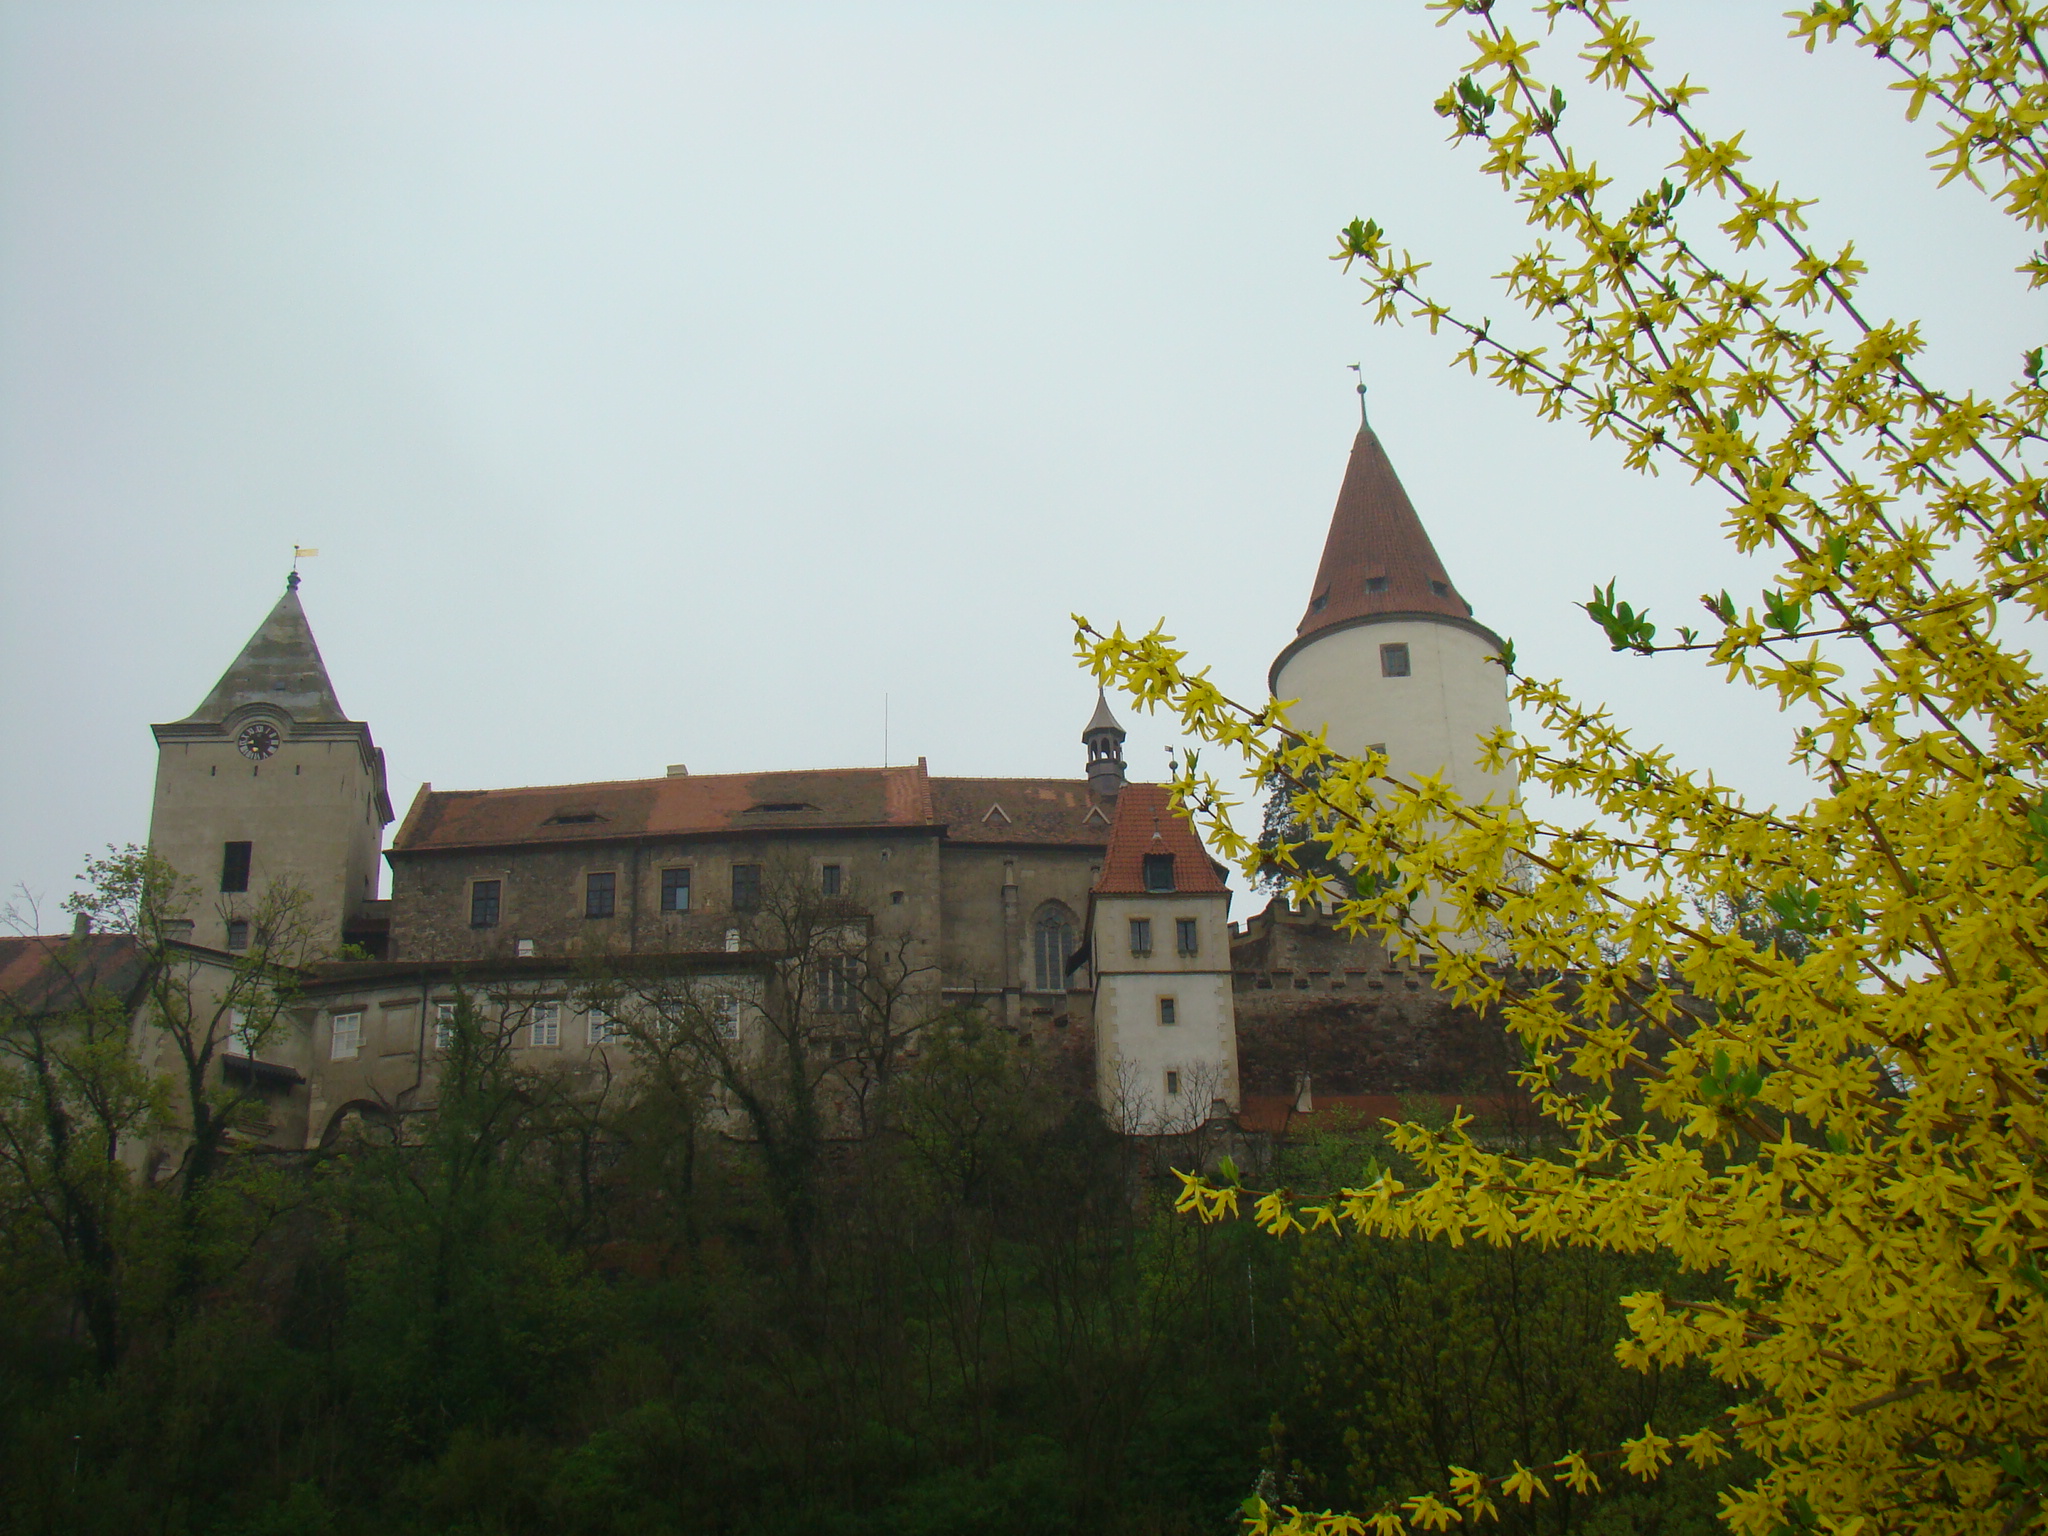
x=1052 y=941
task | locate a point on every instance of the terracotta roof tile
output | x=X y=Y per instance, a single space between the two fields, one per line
x=1147 y=822
x=691 y=803
x=50 y=973
x=1039 y=811
x=1377 y=558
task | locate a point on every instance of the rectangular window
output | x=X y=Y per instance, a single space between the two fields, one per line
x=238 y=933
x=522 y=949
x=1168 y=1012
x=1375 y=583
x=836 y=977
x=483 y=904
x=727 y=1018
x=1187 y=936
x=1173 y=1084
x=1394 y=660
x=234 y=865
x=604 y=1029
x=600 y=894
x=732 y=941
x=675 y=890
x=234 y=1037
x=347 y=1031
x=1141 y=935
x=1158 y=871
x=828 y=880
x=444 y=1026
x=746 y=887
x=546 y=1026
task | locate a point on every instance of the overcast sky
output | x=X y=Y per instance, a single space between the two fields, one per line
x=670 y=382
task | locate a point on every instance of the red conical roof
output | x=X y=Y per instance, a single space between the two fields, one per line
x=1377 y=558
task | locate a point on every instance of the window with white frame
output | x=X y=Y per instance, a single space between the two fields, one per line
x=444 y=1026
x=545 y=1027
x=727 y=1018
x=604 y=1029
x=234 y=1034
x=346 y=1030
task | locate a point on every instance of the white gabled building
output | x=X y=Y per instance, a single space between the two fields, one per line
x=1159 y=939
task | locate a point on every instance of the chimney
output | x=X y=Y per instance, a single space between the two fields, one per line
x=679 y=770
x=81 y=925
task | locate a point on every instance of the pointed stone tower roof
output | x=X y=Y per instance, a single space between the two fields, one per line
x=1377 y=558
x=280 y=665
x=1102 y=719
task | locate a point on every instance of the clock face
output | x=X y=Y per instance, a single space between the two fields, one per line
x=258 y=741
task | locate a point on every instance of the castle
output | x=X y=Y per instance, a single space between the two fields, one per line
x=1082 y=914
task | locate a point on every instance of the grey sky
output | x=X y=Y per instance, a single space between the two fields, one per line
x=666 y=383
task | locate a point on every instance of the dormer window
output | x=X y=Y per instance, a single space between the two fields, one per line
x=572 y=819
x=778 y=805
x=1375 y=583
x=1440 y=588
x=1159 y=872
x=1319 y=602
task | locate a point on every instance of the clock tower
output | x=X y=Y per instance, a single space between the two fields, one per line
x=268 y=782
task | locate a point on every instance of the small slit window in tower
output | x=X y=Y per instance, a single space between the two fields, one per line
x=238 y=933
x=1394 y=660
x=1169 y=1013
x=1375 y=583
x=234 y=865
x=746 y=887
x=1159 y=872
x=1172 y=1083
x=829 y=880
x=675 y=890
x=600 y=894
x=483 y=904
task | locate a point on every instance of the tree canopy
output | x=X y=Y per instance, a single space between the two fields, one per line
x=1836 y=1113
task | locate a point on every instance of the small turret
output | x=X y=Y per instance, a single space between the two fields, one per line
x=1104 y=739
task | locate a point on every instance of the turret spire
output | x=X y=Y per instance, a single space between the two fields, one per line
x=1377 y=558
x=1105 y=742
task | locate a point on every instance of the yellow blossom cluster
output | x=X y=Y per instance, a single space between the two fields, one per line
x=1841 y=1095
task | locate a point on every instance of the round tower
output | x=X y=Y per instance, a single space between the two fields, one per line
x=1388 y=654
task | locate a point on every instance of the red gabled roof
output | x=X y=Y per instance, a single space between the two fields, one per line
x=1148 y=822
x=1374 y=534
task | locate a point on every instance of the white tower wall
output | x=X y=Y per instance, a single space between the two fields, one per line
x=1429 y=722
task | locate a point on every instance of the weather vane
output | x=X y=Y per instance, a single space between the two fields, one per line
x=1359 y=369
x=299 y=552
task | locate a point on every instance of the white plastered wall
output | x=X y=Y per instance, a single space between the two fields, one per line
x=1133 y=1050
x=1429 y=721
